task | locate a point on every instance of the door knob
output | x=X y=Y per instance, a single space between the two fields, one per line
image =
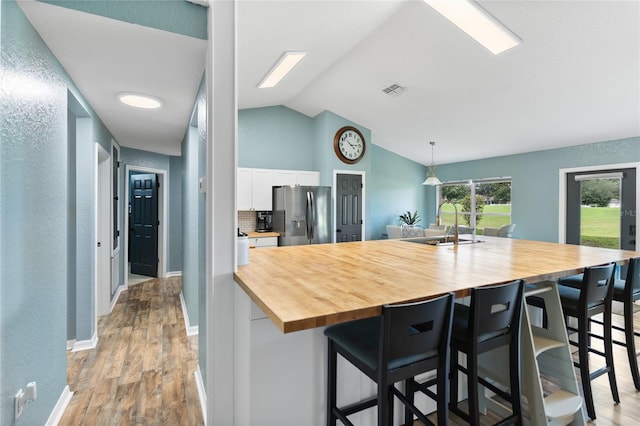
x=338 y=230
x=99 y=244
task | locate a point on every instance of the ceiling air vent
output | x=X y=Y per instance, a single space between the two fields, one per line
x=394 y=90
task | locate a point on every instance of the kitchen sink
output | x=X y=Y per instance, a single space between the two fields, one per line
x=441 y=241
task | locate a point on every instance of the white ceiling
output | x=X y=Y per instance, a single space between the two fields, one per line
x=105 y=56
x=575 y=78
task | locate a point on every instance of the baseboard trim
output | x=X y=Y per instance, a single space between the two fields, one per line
x=83 y=345
x=173 y=274
x=70 y=344
x=192 y=330
x=119 y=290
x=202 y=393
x=60 y=407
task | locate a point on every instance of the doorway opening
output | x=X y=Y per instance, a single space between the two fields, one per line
x=133 y=276
x=599 y=205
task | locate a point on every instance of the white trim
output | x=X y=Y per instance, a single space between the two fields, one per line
x=202 y=393
x=562 y=191
x=115 y=252
x=119 y=290
x=84 y=345
x=60 y=407
x=192 y=330
x=162 y=230
x=173 y=274
x=70 y=344
x=364 y=203
x=97 y=151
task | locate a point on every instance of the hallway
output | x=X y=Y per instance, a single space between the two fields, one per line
x=142 y=369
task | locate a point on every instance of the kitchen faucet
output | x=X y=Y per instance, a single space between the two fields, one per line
x=455 y=223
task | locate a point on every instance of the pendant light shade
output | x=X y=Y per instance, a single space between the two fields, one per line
x=432 y=179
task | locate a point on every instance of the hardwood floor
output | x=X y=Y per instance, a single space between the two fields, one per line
x=607 y=413
x=142 y=369
x=141 y=372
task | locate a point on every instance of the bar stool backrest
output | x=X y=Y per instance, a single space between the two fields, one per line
x=415 y=329
x=495 y=310
x=632 y=283
x=597 y=285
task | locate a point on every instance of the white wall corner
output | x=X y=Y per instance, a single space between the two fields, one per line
x=83 y=345
x=202 y=393
x=61 y=405
x=191 y=330
x=120 y=289
x=70 y=344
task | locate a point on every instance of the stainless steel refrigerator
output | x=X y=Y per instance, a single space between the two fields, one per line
x=302 y=214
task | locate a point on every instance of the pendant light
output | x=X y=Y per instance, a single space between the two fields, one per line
x=432 y=179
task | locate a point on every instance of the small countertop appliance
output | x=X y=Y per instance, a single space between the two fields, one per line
x=263 y=221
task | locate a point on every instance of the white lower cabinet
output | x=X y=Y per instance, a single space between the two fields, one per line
x=263 y=242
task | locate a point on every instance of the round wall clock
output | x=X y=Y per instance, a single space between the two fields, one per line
x=349 y=145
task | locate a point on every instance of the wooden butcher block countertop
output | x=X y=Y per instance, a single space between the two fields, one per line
x=254 y=234
x=302 y=287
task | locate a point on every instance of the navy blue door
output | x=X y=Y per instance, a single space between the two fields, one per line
x=144 y=225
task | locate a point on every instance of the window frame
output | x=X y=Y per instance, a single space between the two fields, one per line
x=472 y=183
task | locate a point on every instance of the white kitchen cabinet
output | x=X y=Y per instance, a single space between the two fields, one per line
x=243 y=195
x=254 y=186
x=307 y=178
x=285 y=177
x=263 y=242
x=261 y=183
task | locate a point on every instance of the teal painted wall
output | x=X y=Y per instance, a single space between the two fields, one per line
x=190 y=223
x=275 y=138
x=193 y=214
x=174 y=237
x=37 y=216
x=178 y=16
x=279 y=138
x=395 y=186
x=535 y=177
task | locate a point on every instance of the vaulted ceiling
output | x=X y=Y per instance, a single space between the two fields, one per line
x=574 y=79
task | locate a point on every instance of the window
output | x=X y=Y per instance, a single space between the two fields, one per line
x=483 y=203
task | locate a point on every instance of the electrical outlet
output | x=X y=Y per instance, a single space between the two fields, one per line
x=31 y=392
x=24 y=397
x=19 y=403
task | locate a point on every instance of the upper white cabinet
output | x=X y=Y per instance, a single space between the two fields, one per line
x=254 y=185
x=284 y=177
x=243 y=195
x=308 y=178
x=262 y=181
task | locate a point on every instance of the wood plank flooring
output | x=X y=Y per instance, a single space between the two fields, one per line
x=626 y=413
x=141 y=372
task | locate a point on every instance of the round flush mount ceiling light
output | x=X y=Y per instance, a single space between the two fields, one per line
x=138 y=100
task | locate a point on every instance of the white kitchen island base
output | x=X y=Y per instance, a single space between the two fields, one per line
x=280 y=379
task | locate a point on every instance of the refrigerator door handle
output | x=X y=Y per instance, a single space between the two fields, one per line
x=311 y=217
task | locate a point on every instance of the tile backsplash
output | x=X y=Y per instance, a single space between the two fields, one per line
x=247 y=220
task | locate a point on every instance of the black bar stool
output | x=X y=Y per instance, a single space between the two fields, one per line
x=583 y=296
x=406 y=340
x=491 y=321
x=626 y=291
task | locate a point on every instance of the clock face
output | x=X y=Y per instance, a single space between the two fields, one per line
x=349 y=144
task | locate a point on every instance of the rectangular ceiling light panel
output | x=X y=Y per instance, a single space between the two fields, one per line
x=477 y=23
x=286 y=63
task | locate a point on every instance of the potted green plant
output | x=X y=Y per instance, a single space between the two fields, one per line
x=409 y=218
